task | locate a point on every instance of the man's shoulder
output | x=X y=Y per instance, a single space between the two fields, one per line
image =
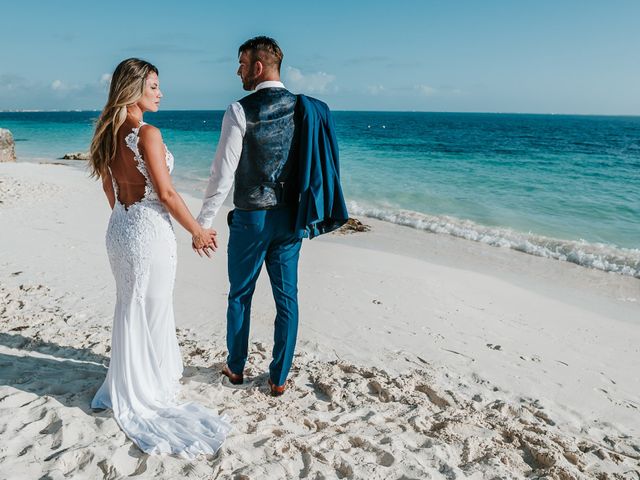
x=234 y=107
x=234 y=112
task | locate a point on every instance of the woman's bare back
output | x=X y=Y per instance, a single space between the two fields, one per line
x=124 y=169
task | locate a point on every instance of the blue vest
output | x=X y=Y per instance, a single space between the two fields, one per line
x=265 y=177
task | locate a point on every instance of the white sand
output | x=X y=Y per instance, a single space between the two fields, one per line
x=419 y=355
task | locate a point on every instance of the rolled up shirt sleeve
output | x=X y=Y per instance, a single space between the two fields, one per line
x=225 y=163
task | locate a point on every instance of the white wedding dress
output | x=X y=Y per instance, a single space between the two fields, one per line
x=146 y=364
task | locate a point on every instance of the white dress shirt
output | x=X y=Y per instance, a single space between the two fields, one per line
x=225 y=163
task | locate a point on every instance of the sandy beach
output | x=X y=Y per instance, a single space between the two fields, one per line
x=419 y=355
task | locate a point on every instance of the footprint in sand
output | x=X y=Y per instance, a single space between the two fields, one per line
x=383 y=394
x=383 y=457
x=433 y=397
x=543 y=416
x=343 y=469
x=420 y=425
x=307 y=460
x=55 y=429
x=74 y=461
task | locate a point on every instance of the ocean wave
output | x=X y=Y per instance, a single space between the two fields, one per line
x=609 y=258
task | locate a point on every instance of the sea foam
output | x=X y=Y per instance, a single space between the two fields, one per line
x=608 y=258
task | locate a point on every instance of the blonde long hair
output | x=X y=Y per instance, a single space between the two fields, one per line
x=127 y=87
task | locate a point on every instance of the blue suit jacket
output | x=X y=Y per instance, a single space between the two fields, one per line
x=321 y=207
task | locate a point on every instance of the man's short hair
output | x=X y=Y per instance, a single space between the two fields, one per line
x=265 y=49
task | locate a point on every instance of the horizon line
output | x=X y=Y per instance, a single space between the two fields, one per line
x=26 y=110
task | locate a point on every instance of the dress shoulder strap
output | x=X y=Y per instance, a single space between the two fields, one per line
x=132 y=140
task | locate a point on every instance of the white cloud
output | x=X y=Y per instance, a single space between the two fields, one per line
x=58 y=85
x=426 y=90
x=63 y=88
x=105 y=80
x=375 y=89
x=442 y=91
x=17 y=92
x=318 y=82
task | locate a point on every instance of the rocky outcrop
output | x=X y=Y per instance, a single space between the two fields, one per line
x=76 y=156
x=7 y=146
x=353 y=225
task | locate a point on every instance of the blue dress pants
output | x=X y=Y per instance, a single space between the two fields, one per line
x=257 y=237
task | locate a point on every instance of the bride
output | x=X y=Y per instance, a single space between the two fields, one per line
x=134 y=165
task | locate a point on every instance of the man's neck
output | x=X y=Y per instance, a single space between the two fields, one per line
x=267 y=84
x=271 y=77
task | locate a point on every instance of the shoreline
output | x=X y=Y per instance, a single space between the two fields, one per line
x=590 y=255
x=413 y=348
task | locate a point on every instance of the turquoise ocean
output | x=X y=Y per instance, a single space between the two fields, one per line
x=558 y=186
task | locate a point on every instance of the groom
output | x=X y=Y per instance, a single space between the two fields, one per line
x=258 y=152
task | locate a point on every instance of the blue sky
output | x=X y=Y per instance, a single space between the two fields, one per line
x=471 y=56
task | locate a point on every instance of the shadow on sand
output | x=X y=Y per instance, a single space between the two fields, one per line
x=70 y=375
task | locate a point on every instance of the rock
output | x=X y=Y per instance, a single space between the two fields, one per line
x=7 y=146
x=353 y=225
x=76 y=156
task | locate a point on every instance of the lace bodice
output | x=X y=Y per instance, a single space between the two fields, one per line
x=134 y=225
x=131 y=140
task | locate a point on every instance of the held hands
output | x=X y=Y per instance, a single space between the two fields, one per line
x=204 y=241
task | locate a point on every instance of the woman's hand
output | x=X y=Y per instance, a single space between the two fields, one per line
x=204 y=240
